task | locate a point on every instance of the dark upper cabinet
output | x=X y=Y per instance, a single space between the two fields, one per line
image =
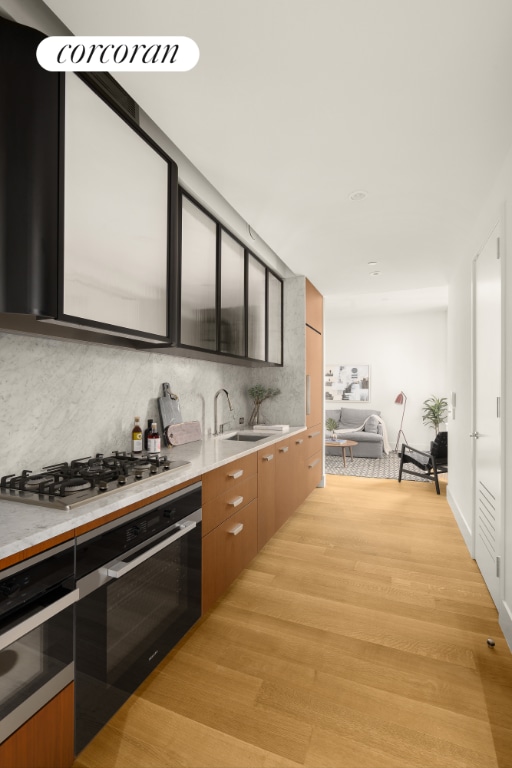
x=29 y=163
x=230 y=302
x=256 y=304
x=88 y=204
x=198 y=277
x=275 y=319
x=115 y=223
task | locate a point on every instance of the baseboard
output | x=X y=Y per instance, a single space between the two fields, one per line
x=506 y=623
x=461 y=522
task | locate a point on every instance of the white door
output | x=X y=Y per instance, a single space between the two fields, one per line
x=487 y=421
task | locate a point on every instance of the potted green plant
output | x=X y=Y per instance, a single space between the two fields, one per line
x=331 y=424
x=435 y=411
x=258 y=394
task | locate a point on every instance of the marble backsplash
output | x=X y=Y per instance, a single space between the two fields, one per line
x=61 y=400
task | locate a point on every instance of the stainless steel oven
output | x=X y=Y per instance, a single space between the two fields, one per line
x=36 y=634
x=139 y=581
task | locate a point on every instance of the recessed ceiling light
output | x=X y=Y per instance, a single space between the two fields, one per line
x=375 y=273
x=358 y=194
x=372 y=263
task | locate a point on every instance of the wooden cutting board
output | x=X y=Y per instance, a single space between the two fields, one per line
x=169 y=408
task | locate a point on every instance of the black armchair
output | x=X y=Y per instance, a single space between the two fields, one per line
x=431 y=464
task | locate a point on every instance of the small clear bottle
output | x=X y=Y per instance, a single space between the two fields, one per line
x=137 y=436
x=154 y=439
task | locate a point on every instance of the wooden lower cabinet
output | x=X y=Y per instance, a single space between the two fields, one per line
x=266 y=494
x=227 y=550
x=313 y=459
x=247 y=501
x=285 y=497
x=46 y=740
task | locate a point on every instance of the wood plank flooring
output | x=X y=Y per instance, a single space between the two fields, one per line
x=355 y=639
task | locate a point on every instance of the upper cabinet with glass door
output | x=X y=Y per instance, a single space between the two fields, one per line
x=117 y=201
x=230 y=302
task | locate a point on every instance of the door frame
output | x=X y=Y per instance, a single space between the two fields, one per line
x=500 y=223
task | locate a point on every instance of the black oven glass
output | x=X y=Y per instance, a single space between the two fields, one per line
x=36 y=634
x=126 y=626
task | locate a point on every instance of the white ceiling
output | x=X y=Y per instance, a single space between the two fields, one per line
x=294 y=104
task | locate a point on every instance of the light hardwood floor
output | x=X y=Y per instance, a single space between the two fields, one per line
x=356 y=639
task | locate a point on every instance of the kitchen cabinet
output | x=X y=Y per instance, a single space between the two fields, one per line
x=46 y=740
x=256 y=302
x=117 y=196
x=266 y=494
x=230 y=303
x=230 y=525
x=285 y=478
x=314 y=307
x=313 y=455
x=314 y=377
x=313 y=459
x=232 y=296
x=275 y=323
x=198 y=259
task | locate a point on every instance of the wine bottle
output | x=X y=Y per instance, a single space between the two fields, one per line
x=154 y=439
x=146 y=434
x=137 y=436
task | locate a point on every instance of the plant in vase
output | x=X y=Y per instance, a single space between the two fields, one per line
x=259 y=394
x=435 y=411
x=332 y=426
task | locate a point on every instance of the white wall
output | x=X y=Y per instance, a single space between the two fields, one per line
x=497 y=205
x=405 y=352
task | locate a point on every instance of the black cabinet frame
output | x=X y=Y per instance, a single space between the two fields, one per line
x=218 y=353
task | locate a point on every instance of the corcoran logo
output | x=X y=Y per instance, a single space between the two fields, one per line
x=111 y=54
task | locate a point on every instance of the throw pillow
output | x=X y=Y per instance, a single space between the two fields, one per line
x=372 y=425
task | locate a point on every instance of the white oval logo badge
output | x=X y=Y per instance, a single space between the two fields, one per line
x=117 y=54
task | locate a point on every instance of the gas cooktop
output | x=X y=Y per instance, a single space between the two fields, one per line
x=65 y=486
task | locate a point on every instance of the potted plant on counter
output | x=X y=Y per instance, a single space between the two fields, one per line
x=259 y=394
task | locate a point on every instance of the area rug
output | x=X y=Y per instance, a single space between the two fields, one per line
x=385 y=468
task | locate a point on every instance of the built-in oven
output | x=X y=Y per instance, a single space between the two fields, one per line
x=139 y=582
x=36 y=634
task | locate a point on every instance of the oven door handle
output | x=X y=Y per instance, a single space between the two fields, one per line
x=116 y=570
x=35 y=621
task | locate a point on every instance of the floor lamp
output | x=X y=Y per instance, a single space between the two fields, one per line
x=401 y=399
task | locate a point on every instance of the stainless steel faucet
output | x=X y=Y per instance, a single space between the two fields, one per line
x=215 y=429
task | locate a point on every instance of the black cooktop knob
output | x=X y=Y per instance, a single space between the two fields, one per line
x=138 y=475
x=121 y=480
x=102 y=485
x=154 y=469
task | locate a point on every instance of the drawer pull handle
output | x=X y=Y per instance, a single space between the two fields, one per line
x=236 y=474
x=314 y=464
x=283 y=450
x=237 y=529
x=269 y=457
x=313 y=434
x=236 y=502
x=299 y=442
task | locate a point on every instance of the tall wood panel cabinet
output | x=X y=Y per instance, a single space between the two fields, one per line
x=314 y=387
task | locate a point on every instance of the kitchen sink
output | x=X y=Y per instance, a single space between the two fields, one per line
x=245 y=437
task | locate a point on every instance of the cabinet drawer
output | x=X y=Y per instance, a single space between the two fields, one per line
x=227 y=550
x=219 y=509
x=226 y=477
x=313 y=440
x=313 y=471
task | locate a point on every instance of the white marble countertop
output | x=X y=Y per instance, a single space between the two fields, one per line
x=24 y=525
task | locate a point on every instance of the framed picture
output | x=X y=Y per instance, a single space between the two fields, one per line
x=347 y=383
